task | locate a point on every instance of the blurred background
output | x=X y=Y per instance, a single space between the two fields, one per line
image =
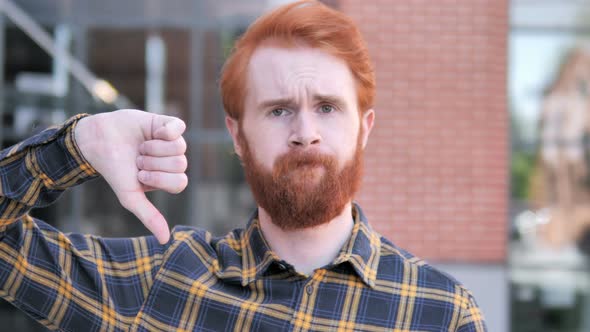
x=479 y=161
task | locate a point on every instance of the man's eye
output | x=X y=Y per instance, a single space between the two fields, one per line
x=327 y=109
x=279 y=112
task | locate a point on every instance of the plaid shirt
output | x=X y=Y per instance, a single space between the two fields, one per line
x=74 y=282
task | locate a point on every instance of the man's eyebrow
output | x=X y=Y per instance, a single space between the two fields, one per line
x=332 y=99
x=277 y=102
x=289 y=102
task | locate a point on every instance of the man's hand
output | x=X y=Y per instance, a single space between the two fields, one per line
x=135 y=152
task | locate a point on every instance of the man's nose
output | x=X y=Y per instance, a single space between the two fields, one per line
x=304 y=131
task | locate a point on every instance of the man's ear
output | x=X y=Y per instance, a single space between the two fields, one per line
x=367 y=121
x=233 y=127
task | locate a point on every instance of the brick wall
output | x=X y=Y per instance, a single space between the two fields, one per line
x=436 y=180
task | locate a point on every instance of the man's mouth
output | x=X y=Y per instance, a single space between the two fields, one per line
x=309 y=170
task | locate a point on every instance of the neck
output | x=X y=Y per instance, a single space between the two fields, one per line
x=310 y=248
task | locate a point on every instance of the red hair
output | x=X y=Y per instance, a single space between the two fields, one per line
x=312 y=23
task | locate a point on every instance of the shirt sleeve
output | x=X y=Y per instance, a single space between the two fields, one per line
x=472 y=319
x=65 y=281
x=36 y=171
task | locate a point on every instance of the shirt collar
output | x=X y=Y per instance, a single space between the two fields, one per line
x=361 y=251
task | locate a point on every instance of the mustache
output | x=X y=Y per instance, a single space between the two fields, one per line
x=294 y=160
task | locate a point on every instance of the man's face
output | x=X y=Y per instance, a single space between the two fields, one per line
x=301 y=132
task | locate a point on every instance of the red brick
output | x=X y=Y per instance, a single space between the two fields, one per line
x=436 y=165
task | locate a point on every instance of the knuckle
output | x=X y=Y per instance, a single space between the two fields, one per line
x=163 y=148
x=146 y=163
x=167 y=133
x=153 y=178
x=181 y=163
x=183 y=182
x=148 y=148
x=181 y=145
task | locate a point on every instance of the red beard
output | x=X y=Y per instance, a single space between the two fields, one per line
x=304 y=189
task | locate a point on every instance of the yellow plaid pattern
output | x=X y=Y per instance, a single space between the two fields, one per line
x=197 y=282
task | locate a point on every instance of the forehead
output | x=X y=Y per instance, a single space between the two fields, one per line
x=278 y=72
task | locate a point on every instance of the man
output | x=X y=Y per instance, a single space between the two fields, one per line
x=298 y=91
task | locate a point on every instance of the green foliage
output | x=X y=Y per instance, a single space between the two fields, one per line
x=521 y=169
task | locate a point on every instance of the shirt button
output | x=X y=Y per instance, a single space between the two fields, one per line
x=309 y=289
